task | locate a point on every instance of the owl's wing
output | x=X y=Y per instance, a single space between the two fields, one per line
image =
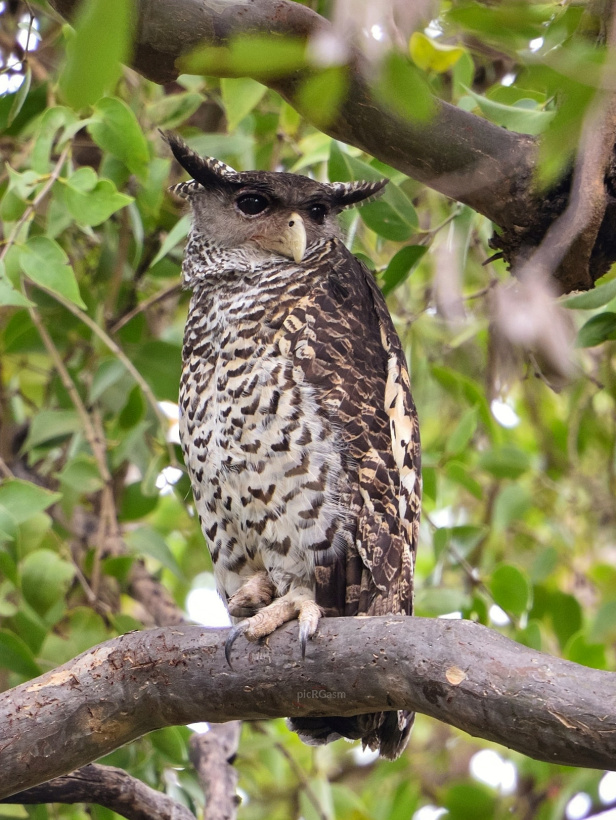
x=342 y=338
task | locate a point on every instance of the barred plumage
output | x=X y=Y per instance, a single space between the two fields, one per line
x=296 y=417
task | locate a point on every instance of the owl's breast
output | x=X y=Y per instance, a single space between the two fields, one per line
x=265 y=460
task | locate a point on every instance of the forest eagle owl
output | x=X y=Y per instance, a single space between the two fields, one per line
x=296 y=418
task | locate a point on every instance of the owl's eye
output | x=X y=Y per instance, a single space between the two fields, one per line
x=318 y=213
x=252 y=204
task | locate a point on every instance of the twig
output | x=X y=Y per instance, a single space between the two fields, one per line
x=117 y=351
x=305 y=783
x=212 y=753
x=53 y=176
x=145 y=305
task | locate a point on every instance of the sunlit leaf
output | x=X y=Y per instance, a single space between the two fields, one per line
x=46 y=264
x=403 y=87
x=591 y=299
x=400 y=267
x=597 y=330
x=115 y=129
x=147 y=541
x=96 y=51
x=257 y=56
x=320 y=96
x=240 y=95
x=21 y=500
x=20 y=96
x=430 y=55
x=45 y=578
x=16 y=655
x=523 y=117
x=510 y=589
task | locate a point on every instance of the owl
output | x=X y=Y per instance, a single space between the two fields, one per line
x=297 y=424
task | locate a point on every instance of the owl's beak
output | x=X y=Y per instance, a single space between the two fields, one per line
x=291 y=242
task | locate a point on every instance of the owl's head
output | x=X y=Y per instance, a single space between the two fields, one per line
x=278 y=212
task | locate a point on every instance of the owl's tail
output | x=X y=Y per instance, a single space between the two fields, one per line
x=385 y=732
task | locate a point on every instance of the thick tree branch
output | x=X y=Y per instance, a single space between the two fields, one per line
x=457 y=153
x=109 y=787
x=456 y=671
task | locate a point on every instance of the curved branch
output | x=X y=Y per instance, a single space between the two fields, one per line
x=456 y=671
x=457 y=153
x=109 y=787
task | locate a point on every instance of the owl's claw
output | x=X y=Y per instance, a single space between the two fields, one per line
x=292 y=605
x=232 y=637
x=309 y=614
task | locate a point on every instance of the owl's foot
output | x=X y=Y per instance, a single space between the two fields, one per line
x=257 y=592
x=298 y=604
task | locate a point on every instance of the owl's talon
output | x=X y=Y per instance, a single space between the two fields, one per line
x=309 y=614
x=232 y=637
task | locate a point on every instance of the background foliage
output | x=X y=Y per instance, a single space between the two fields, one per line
x=519 y=517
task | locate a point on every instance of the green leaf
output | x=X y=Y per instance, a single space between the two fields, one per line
x=46 y=264
x=93 y=206
x=392 y=216
x=175 y=235
x=403 y=87
x=21 y=500
x=459 y=472
x=160 y=364
x=511 y=505
x=81 y=474
x=430 y=55
x=579 y=650
x=17 y=656
x=469 y=801
x=343 y=167
x=566 y=616
x=524 y=117
x=510 y=589
x=464 y=431
x=50 y=123
x=9 y=296
x=400 y=267
x=135 y=504
x=45 y=579
x=173 y=109
x=257 y=56
x=592 y=299
x=147 y=541
x=96 y=51
x=20 y=96
x=505 y=462
x=599 y=329
x=115 y=129
x=170 y=741
x=319 y=97
x=239 y=96
x=604 y=626
x=439 y=601
x=51 y=424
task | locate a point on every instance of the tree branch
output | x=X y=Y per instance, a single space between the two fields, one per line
x=109 y=787
x=212 y=755
x=457 y=153
x=456 y=671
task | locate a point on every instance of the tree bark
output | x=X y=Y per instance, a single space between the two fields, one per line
x=109 y=787
x=456 y=671
x=457 y=153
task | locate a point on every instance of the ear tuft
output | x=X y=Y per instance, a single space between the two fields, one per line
x=207 y=171
x=346 y=194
